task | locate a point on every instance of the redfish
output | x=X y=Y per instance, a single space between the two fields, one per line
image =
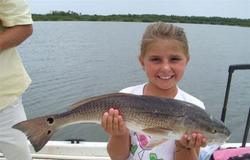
x=161 y=118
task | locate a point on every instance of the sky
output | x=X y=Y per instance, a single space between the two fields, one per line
x=208 y=8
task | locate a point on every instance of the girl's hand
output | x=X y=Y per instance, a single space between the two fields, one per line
x=196 y=141
x=113 y=123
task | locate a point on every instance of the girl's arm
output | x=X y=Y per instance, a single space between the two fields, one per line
x=119 y=143
x=189 y=149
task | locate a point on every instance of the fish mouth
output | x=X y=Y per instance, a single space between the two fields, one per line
x=228 y=137
x=219 y=141
x=165 y=77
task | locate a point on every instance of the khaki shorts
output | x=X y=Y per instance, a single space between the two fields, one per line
x=13 y=143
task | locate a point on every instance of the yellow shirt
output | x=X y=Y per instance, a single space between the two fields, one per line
x=14 y=80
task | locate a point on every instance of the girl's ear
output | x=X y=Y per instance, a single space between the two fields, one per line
x=142 y=62
x=188 y=58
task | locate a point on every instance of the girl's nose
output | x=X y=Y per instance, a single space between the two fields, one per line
x=165 y=67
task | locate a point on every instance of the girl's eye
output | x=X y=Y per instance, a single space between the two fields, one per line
x=155 y=59
x=175 y=59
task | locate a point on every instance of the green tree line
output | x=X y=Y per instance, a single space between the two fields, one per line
x=73 y=16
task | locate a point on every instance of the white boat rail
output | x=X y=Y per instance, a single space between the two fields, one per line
x=64 y=150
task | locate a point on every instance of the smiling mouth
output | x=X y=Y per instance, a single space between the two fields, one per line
x=165 y=77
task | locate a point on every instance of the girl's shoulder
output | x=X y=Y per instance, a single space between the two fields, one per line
x=138 y=89
x=181 y=95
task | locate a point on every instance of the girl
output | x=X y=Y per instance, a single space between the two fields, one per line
x=164 y=57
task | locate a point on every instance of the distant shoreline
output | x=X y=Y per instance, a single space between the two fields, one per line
x=73 y=16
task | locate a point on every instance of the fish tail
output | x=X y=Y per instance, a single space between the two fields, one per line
x=38 y=130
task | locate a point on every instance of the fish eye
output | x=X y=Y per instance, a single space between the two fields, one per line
x=215 y=131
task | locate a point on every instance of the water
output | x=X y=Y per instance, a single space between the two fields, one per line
x=71 y=61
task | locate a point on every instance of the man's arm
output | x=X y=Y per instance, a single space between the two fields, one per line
x=14 y=36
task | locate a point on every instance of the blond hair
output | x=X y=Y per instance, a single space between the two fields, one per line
x=163 y=31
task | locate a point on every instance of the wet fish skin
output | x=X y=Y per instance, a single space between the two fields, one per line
x=159 y=117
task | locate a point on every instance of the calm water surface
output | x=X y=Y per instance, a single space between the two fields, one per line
x=71 y=61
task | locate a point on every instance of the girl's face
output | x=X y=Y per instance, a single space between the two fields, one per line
x=164 y=64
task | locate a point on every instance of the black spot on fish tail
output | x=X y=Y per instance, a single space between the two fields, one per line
x=38 y=130
x=50 y=120
x=49 y=131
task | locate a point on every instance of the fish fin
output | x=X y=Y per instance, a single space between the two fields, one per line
x=155 y=141
x=78 y=104
x=38 y=130
x=159 y=132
